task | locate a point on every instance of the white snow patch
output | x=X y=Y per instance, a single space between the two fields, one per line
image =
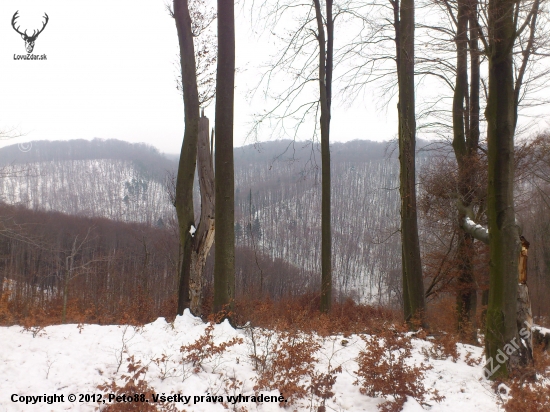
x=66 y=360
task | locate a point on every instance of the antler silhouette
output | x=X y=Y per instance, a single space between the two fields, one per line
x=15 y=16
x=43 y=25
x=29 y=40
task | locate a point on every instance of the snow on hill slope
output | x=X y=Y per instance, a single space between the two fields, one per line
x=277 y=200
x=109 y=188
x=68 y=359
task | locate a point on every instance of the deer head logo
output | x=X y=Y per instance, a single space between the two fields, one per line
x=29 y=40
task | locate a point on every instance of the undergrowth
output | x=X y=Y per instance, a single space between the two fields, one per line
x=531 y=395
x=135 y=384
x=205 y=351
x=288 y=365
x=384 y=370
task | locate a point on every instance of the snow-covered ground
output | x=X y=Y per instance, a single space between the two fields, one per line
x=73 y=359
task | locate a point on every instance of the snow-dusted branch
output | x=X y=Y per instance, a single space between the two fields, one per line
x=477 y=231
x=468 y=224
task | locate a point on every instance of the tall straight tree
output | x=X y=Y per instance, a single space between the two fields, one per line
x=188 y=155
x=465 y=144
x=326 y=48
x=504 y=242
x=224 y=261
x=312 y=38
x=413 y=288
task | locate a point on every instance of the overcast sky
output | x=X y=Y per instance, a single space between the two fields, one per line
x=110 y=73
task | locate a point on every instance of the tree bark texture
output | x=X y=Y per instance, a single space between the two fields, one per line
x=473 y=137
x=188 y=155
x=224 y=259
x=412 y=268
x=524 y=313
x=325 y=92
x=204 y=237
x=501 y=327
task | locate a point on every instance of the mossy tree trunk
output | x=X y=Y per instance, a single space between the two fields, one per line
x=504 y=243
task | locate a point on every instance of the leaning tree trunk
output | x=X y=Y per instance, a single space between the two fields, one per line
x=412 y=268
x=204 y=237
x=188 y=156
x=224 y=259
x=504 y=243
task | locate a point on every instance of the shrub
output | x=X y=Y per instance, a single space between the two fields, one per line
x=204 y=350
x=287 y=363
x=531 y=395
x=443 y=347
x=383 y=371
x=528 y=397
x=134 y=383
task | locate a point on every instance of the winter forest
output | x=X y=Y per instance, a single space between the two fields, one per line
x=297 y=272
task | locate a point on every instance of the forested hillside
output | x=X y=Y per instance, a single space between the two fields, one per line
x=98 y=178
x=277 y=218
x=278 y=212
x=277 y=204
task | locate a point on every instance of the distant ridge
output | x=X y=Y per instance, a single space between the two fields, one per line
x=144 y=156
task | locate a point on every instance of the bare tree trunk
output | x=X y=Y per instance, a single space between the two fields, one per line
x=464 y=153
x=65 y=290
x=69 y=266
x=204 y=238
x=224 y=265
x=325 y=91
x=524 y=313
x=459 y=135
x=501 y=327
x=473 y=137
x=407 y=312
x=467 y=292
x=412 y=268
x=527 y=52
x=188 y=156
